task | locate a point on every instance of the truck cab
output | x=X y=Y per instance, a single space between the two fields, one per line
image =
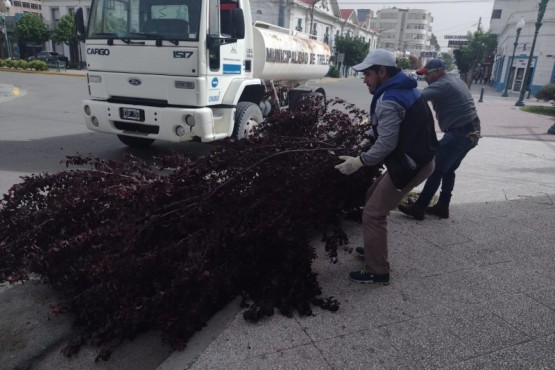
x=173 y=70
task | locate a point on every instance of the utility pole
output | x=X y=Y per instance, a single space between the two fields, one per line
x=281 y=14
x=480 y=24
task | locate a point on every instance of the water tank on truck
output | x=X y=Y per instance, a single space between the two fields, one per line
x=284 y=55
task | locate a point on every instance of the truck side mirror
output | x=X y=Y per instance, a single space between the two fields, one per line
x=80 y=23
x=239 y=23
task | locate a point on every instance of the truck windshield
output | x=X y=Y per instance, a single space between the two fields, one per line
x=145 y=19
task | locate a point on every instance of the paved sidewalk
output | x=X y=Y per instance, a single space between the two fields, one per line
x=474 y=291
x=501 y=118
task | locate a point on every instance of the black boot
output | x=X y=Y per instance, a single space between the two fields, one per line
x=413 y=210
x=440 y=209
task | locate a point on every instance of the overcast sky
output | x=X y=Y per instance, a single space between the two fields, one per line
x=451 y=17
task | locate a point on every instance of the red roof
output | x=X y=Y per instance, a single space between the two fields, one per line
x=346 y=13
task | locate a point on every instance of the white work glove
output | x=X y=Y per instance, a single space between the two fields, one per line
x=350 y=164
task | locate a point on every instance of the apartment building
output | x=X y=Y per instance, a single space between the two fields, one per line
x=27 y=6
x=404 y=31
x=8 y=16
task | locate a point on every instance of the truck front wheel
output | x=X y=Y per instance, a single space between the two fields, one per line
x=135 y=142
x=247 y=117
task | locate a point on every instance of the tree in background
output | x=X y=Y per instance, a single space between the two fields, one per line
x=469 y=58
x=355 y=49
x=31 y=29
x=66 y=32
x=448 y=60
x=404 y=63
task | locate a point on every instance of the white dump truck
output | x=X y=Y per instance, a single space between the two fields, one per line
x=181 y=70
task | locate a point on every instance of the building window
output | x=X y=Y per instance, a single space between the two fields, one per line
x=388 y=16
x=416 y=16
x=299 y=24
x=55 y=13
x=496 y=14
x=415 y=26
x=17 y=3
x=26 y=5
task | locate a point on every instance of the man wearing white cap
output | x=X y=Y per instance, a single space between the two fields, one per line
x=404 y=139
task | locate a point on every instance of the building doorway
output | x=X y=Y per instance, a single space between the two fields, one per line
x=518 y=80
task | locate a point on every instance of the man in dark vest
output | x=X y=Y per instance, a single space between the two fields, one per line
x=404 y=139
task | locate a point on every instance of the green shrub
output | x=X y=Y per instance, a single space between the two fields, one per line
x=333 y=72
x=10 y=63
x=38 y=65
x=547 y=92
x=21 y=64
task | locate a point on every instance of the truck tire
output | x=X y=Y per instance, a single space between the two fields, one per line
x=320 y=93
x=135 y=142
x=247 y=117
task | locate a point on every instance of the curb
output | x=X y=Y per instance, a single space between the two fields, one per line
x=72 y=73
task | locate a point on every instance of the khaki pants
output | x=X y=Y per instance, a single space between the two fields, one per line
x=381 y=198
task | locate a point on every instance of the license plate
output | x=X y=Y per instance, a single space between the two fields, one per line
x=132 y=114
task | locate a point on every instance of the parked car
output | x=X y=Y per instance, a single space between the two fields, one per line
x=50 y=57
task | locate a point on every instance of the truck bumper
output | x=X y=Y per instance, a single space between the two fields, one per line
x=158 y=123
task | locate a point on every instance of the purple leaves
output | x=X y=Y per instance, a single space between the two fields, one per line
x=135 y=246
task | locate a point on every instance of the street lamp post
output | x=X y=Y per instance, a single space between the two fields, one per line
x=519 y=27
x=526 y=82
x=310 y=32
x=8 y=5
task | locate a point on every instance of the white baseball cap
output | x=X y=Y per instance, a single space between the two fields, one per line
x=377 y=57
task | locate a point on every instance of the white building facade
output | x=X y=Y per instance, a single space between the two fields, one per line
x=323 y=17
x=52 y=12
x=320 y=18
x=508 y=71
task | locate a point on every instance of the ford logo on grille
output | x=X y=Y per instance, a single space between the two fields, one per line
x=134 y=81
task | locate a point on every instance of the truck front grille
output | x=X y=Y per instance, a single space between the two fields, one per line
x=138 y=101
